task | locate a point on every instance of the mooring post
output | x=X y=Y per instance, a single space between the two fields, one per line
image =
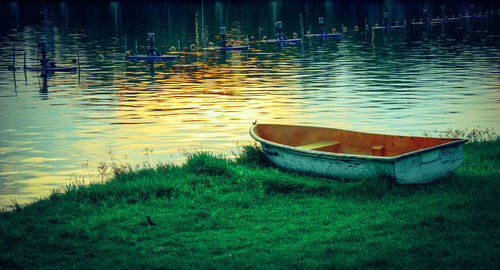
x=14 y=67
x=125 y=44
x=301 y=24
x=14 y=57
x=136 y=47
x=78 y=59
x=265 y=29
x=24 y=66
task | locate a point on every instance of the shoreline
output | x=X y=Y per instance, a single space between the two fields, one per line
x=215 y=213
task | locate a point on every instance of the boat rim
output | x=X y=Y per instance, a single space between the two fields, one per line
x=351 y=156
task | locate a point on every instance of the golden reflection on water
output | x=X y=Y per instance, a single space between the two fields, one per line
x=212 y=109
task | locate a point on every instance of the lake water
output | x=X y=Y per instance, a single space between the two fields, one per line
x=58 y=128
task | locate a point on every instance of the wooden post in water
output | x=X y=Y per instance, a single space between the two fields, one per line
x=25 y=76
x=125 y=44
x=78 y=59
x=265 y=29
x=14 y=66
x=14 y=57
x=301 y=24
x=179 y=45
x=202 y=25
x=136 y=47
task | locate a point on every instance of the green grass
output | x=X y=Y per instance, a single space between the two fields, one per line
x=234 y=214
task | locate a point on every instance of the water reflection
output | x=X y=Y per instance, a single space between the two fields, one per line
x=59 y=127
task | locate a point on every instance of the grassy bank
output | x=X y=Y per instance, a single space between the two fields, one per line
x=214 y=213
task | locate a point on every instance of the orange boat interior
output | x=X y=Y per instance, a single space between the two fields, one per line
x=344 y=141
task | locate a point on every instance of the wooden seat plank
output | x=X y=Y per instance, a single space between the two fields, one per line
x=330 y=146
x=378 y=150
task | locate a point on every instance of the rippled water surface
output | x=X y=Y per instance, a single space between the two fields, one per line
x=59 y=128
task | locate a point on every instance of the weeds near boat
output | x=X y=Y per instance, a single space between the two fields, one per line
x=471 y=134
x=251 y=155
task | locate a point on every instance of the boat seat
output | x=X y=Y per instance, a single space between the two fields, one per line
x=327 y=146
x=378 y=150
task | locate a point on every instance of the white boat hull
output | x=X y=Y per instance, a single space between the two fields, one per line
x=416 y=167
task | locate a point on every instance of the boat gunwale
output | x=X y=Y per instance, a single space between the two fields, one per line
x=55 y=69
x=292 y=40
x=152 y=58
x=233 y=48
x=324 y=35
x=352 y=156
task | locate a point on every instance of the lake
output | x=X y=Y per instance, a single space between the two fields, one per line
x=63 y=127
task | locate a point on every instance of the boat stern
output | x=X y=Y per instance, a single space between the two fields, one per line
x=426 y=167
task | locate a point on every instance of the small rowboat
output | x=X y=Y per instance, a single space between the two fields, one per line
x=152 y=58
x=295 y=40
x=439 y=21
x=54 y=69
x=434 y=22
x=356 y=155
x=391 y=27
x=475 y=16
x=227 y=48
x=324 y=35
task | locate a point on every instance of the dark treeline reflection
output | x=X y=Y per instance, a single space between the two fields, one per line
x=181 y=20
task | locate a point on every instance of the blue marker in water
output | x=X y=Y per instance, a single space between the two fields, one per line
x=223 y=41
x=152 y=51
x=44 y=61
x=387 y=25
x=279 y=34
x=321 y=23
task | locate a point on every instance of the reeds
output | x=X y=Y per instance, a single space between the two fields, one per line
x=471 y=134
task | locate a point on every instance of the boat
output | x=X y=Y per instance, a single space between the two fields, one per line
x=45 y=64
x=152 y=58
x=52 y=69
x=475 y=16
x=390 y=27
x=228 y=48
x=280 y=37
x=322 y=31
x=295 y=40
x=348 y=154
x=324 y=35
x=153 y=53
x=433 y=22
